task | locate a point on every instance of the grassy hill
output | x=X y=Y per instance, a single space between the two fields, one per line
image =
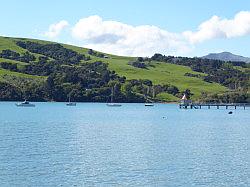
x=157 y=72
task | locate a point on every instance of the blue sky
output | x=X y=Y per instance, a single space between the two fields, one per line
x=170 y=19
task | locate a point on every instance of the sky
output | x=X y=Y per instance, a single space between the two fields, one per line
x=134 y=27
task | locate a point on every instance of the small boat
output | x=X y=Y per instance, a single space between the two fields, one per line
x=112 y=103
x=149 y=104
x=71 y=103
x=230 y=112
x=25 y=104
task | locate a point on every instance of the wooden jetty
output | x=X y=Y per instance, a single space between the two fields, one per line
x=190 y=105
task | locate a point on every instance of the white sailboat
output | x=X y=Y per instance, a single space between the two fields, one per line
x=112 y=104
x=25 y=104
x=71 y=103
x=148 y=102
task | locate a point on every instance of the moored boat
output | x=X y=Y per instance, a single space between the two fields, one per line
x=112 y=103
x=148 y=101
x=149 y=104
x=25 y=104
x=71 y=103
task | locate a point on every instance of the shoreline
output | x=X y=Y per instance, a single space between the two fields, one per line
x=92 y=102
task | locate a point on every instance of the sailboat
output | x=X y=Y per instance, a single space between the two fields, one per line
x=25 y=104
x=71 y=103
x=112 y=104
x=148 y=102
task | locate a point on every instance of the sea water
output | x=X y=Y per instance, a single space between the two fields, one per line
x=92 y=144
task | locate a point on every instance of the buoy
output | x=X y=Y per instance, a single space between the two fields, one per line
x=230 y=112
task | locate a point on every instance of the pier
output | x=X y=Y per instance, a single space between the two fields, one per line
x=185 y=103
x=190 y=105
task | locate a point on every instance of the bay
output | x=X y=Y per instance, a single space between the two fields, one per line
x=94 y=145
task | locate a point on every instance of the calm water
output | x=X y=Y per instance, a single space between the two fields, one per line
x=96 y=145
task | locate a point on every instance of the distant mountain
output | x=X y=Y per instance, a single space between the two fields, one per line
x=227 y=56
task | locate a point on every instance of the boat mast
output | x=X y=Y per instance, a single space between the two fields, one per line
x=147 y=93
x=153 y=92
x=112 y=95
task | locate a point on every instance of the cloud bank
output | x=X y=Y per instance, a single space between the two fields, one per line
x=145 y=40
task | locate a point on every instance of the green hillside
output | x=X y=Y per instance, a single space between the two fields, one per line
x=160 y=73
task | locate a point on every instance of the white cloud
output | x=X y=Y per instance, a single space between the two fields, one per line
x=122 y=39
x=217 y=27
x=55 y=29
x=145 y=40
